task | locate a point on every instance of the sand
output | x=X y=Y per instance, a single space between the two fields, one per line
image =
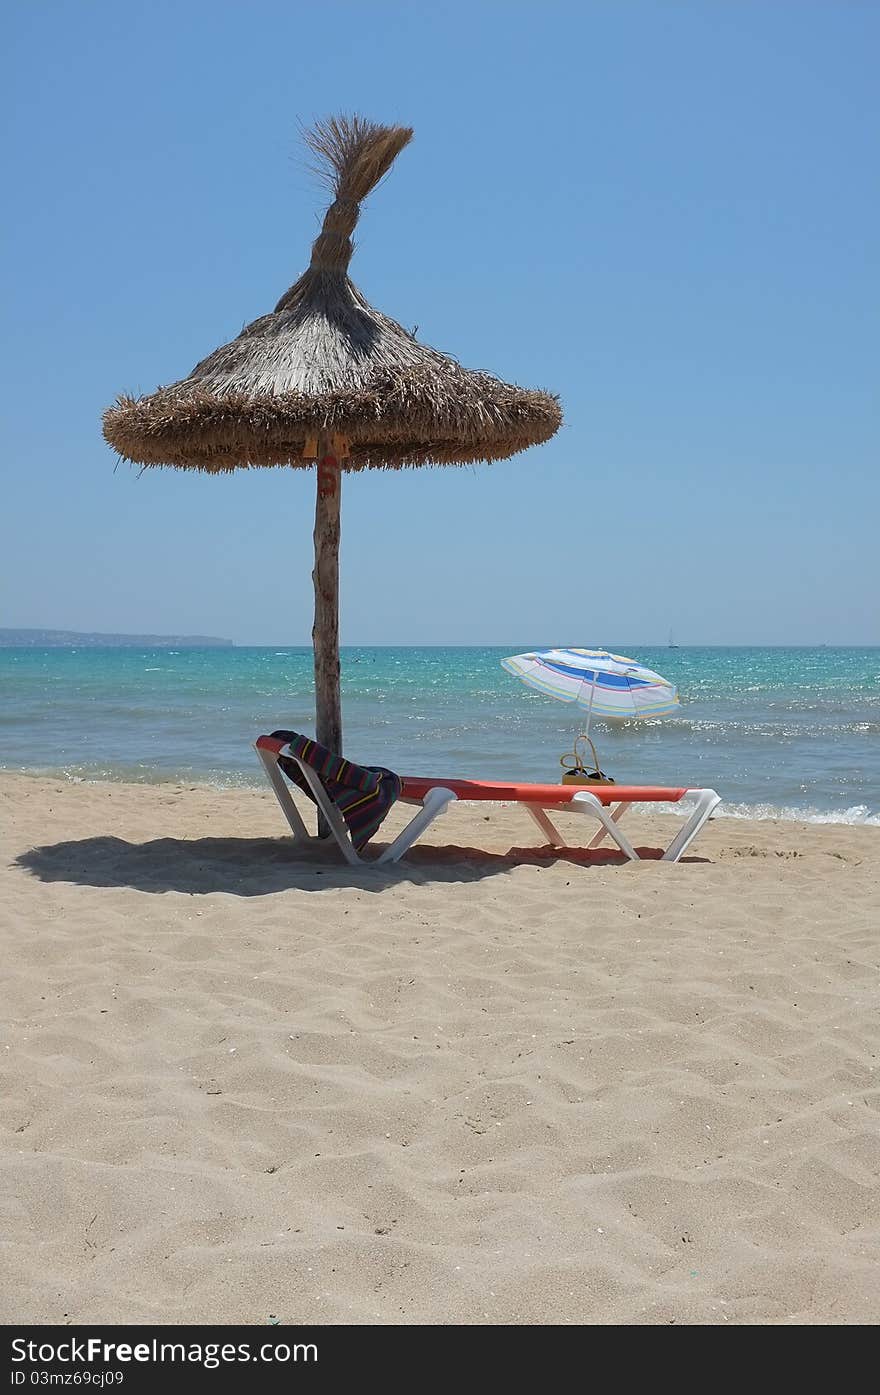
x=238 y=1085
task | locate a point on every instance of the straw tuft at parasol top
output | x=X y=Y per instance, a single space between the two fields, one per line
x=327 y=377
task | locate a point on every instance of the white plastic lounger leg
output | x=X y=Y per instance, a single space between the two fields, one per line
x=332 y=817
x=433 y=804
x=547 y=826
x=270 y=764
x=585 y=802
x=617 y=813
x=707 y=800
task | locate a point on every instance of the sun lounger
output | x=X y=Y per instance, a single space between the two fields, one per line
x=605 y=803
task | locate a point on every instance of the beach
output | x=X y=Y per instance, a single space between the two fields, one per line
x=492 y=1084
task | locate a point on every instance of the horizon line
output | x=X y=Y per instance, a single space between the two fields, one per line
x=218 y=642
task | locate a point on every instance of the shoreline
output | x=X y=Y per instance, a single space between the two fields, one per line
x=855 y=816
x=490 y=1084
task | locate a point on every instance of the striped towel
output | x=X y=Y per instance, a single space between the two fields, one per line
x=363 y=794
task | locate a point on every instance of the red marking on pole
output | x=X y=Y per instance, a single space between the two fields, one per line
x=328 y=476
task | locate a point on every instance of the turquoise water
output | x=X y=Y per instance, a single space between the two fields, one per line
x=778 y=732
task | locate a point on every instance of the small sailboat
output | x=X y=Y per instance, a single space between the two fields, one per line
x=672 y=644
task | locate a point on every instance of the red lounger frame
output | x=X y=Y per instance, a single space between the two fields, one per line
x=605 y=803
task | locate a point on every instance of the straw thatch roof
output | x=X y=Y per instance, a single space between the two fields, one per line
x=324 y=359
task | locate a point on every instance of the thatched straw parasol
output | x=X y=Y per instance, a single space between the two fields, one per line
x=327 y=378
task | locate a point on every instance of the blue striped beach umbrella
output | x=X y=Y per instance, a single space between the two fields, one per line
x=607 y=685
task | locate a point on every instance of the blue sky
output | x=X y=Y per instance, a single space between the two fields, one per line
x=665 y=212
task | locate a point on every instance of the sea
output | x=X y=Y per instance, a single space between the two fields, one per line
x=785 y=733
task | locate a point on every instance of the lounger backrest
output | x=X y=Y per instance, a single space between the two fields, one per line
x=330 y=767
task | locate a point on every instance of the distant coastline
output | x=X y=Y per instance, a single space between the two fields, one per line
x=62 y=639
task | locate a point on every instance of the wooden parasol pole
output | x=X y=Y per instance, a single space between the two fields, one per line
x=325 y=631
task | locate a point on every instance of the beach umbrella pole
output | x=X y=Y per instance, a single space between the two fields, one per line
x=590 y=708
x=325 y=631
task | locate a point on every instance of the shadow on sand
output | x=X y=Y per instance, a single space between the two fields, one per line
x=263 y=866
